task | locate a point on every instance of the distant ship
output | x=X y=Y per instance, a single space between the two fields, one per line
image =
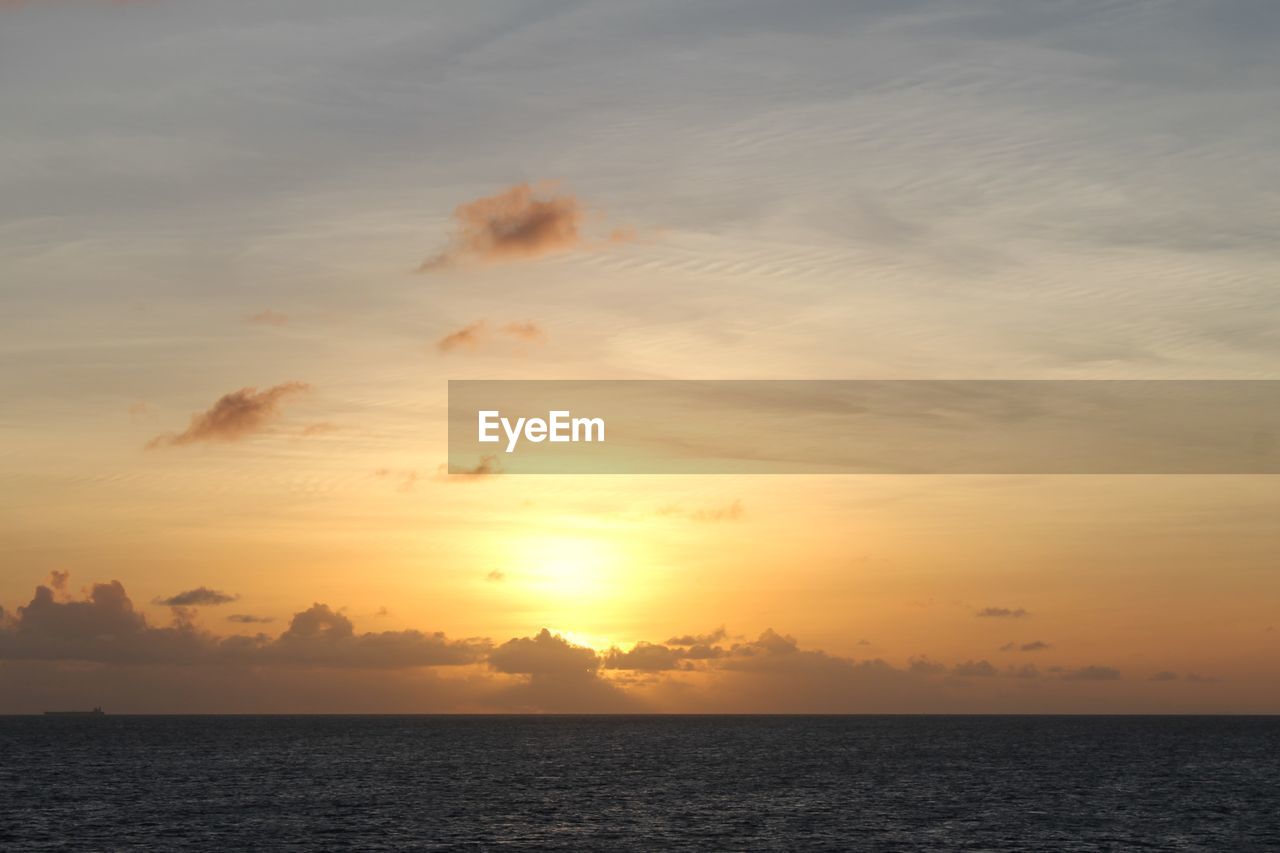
x=96 y=712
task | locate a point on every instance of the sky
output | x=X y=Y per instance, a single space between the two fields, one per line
x=244 y=246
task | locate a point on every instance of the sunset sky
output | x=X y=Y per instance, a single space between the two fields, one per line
x=244 y=246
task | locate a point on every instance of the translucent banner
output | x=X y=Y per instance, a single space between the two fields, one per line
x=864 y=427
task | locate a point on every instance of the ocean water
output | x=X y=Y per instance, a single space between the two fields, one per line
x=640 y=783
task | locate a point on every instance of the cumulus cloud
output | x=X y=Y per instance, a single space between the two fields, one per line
x=922 y=665
x=707 y=639
x=104 y=627
x=557 y=675
x=544 y=654
x=1002 y=613
x=321 y=636
x=233 y=417
x=522 y=222
x=707 y=672
x=1092 y=673
x=199 y=597
x=645 y=657
x=971 y=668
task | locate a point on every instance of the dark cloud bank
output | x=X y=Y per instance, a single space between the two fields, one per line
x=59 y=650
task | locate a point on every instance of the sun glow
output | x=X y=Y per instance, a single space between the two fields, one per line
x=568 y=568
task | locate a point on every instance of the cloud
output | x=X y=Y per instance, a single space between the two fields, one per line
x=699 y=639
x=970 y=668
x=645 y=657
x=522 y=222
x=98 y=647
x=544 y=654
x=250 y=619
x=525 y=330
x=59 y=581
x=557 y=676
x=1164 y=675
x=233 y=417
x=321 y=636
x=104 y=627
x=922 y=665
x=1034 y=646
x=487 y=466
x=468 y=336
x=473 y=335
x=267 y=318
x=1002 y=613
x=200 y=596
x=1092 y=673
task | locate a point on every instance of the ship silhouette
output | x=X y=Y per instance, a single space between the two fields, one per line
x=96 y=712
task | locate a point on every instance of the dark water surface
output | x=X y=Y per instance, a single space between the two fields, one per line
x=640 y=783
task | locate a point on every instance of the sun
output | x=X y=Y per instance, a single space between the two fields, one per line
x=576 y=569
x=583 y=580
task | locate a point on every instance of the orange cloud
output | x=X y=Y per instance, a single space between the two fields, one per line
x=234 y=416
x=519 y=223
x=468 y=336
x=525 y=330
x=474 y=334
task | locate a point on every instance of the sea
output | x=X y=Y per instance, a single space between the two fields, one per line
x=651 y=783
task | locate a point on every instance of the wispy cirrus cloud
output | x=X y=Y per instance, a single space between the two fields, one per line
x=525 y=330
x=468 y=336
x=233 y=417
x=473 y=335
